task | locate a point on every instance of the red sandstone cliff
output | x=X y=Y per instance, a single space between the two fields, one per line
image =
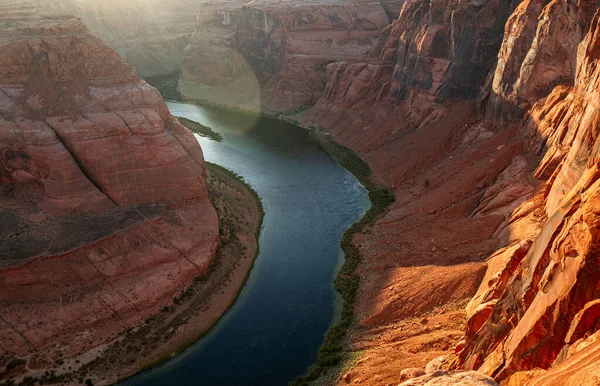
x=435 y=51
x=272 y=55
x=103 y=200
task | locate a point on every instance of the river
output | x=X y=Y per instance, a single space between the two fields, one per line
x=275 y=328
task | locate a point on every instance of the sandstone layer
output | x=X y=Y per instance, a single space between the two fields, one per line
x=104 y=206
x=272 y=55
x=434 y=52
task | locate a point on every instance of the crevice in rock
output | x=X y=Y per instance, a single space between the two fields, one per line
x=81 y=166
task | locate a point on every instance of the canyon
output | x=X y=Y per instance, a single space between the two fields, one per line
x=482 y=117
x=490 y=146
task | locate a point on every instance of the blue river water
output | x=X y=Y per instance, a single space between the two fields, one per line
x=275 y=328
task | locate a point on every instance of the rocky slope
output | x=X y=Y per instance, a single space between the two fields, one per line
x=272 y=55
x=103 y=200
x=483 y=119
x=151 y=35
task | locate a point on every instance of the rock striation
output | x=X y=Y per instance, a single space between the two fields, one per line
x=432 y=53
x=539 y=52
x=272 y=55
x=103 y=200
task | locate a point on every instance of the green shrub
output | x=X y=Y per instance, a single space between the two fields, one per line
x=200 y=129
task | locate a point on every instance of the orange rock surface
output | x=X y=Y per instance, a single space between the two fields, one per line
x=549 y=301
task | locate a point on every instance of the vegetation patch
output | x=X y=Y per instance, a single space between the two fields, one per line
x=200 y=129
x=347 y=281
x=167 y=85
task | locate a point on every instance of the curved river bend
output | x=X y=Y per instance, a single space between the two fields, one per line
x=274 y=330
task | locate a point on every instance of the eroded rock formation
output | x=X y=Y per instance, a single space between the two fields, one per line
x=103 y=201
x=433 y=52
x=272 y=55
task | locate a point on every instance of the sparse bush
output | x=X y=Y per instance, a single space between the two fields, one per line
x=200 y=129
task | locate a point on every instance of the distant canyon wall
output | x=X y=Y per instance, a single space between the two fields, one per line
x=151 y=35
x=273 y=55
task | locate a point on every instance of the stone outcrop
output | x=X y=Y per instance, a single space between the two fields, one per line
x=445 y=378
x=272 y=55
x=103 y=200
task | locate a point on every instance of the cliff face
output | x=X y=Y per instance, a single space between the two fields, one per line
x=546 y=310
x=539 y=52
x=151 y=35
x=273 y=55
x=103 y=197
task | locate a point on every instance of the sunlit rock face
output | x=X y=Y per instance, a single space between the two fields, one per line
x=544 y=312
x=63 y=88
x=539 y=52
x=103 y=200
x=272 y=55
x=151 y=35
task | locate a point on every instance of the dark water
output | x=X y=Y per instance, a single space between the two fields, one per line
x=273 y=332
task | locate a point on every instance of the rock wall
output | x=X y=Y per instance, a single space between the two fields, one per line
x=539 y=52
x=272 y=55
x=434 y=52
x=103 y=200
